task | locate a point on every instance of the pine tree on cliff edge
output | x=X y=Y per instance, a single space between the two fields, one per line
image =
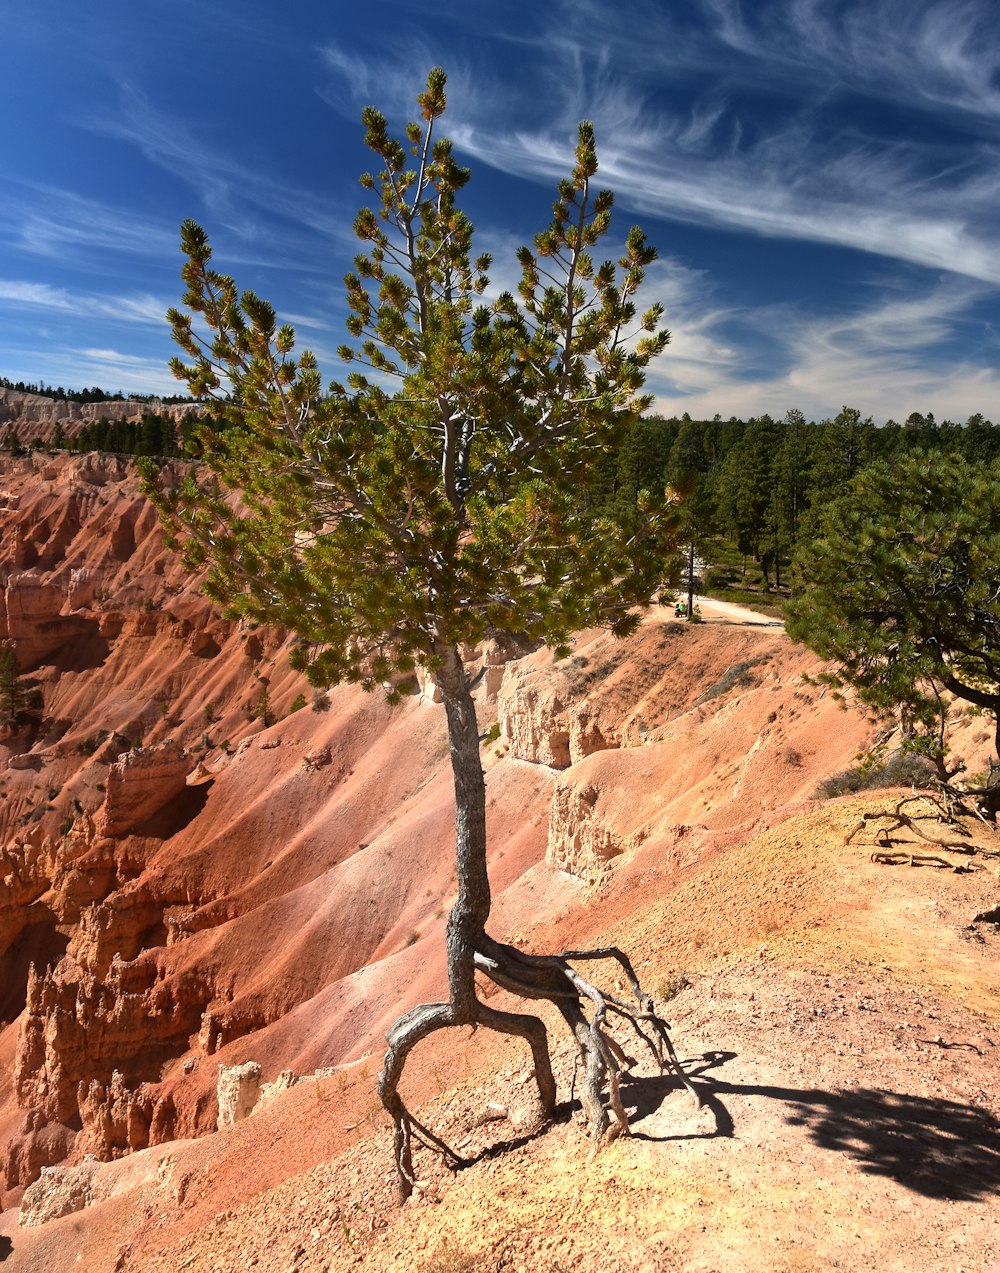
x=390 y=527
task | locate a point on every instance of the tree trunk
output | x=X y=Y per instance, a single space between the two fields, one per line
x=471 y=950
x=690 y=613
x=467 y=921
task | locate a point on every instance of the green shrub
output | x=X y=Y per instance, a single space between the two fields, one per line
x=904 y=769
x=737 y=677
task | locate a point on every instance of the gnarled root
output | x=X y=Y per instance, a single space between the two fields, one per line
x=887 y=821
x=587 y=1011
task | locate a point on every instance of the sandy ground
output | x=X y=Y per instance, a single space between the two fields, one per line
x=724 y=611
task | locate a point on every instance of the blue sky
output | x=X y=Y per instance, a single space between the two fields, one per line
x=822 y=177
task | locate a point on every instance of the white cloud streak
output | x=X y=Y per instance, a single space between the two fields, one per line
x=109 y=368
x=141 y=308
x=807 y=167
x=883 y=359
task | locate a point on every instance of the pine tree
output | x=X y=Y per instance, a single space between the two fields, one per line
x=440 y=494
x=900 y=591
x=13 y=697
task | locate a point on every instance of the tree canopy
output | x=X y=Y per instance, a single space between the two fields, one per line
x=441 y=492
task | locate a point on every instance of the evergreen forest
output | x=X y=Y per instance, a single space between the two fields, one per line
x=750 y=490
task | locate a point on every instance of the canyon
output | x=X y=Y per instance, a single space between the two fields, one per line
x=34 y=417
x=221 y=885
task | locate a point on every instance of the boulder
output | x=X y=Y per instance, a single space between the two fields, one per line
x=58 y=1191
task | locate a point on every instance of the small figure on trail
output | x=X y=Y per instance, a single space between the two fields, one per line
x=680 y=610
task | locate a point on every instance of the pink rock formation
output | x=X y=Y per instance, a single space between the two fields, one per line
x=139 y=784
x=119 y=1119
x=288 y=904
x=31 y=618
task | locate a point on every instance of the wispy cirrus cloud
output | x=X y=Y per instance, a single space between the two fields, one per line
x=45 y=220
x=754 y=118
x=137 y=308
x=942 y=54
x=884 y=357
x=792 y=186
x=238 y=193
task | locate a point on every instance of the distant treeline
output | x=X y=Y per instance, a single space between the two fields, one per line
x=756 y=482
x=59 y=394
x=153 y=435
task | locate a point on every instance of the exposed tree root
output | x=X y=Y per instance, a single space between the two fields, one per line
x=921 y=859
x=896 y=819
x=588 y=1012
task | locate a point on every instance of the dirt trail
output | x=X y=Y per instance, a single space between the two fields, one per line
x=725 y=612
x=715 y=611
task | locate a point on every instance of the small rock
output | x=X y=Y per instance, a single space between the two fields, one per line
x=317 y=759
x=527 y=1116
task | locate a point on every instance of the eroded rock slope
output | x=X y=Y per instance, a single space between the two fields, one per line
x=205 y=862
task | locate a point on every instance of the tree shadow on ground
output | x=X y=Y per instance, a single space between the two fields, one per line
x=652 y=1092
x=938 y=1148
x=643 y=1096
x=6 y=1248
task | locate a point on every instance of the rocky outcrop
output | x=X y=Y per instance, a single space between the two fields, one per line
x=286 y=1080
x=31 y=618
x=584 y=835
x=36 y=1145
x=549 y=720
x=69 y=872
x=485 y=665
x=76 y=1028
x=139 y=784
x=82 y=589
x=119 y=1119
x=114 y=927
x=534 y=723
x=36 y=416
x=237 y=1091
x=58 y=1192
x=26 y=870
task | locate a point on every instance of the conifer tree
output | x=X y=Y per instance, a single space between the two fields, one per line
x=899 y=589
x=437 y=495
x=13 y=697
